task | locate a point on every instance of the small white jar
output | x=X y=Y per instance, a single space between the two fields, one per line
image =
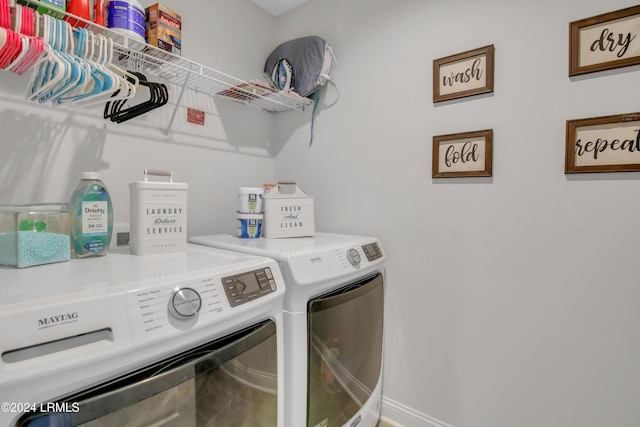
x=250 y=199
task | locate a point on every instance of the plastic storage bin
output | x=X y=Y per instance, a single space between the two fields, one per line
x=34 y=234
x=249 y=225
x=250 y=199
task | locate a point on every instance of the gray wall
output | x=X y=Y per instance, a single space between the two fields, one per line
x=511 y=300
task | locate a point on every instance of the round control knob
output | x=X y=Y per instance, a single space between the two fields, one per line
x=240 y=286
x=185 y=303
x=353 y=256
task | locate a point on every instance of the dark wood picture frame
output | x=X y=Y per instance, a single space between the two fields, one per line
x=595 y=43
x=462 y=150
x=613 y=144
x=461 y=70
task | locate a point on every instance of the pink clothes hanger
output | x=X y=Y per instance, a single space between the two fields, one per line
x=28 y=49
x=5 y=14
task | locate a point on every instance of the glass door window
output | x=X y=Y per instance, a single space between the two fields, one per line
x=345 y=351
x=229 y=382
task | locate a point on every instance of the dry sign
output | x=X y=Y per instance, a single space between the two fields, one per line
x=603 y=144
x=605 y=41
x=466 y=154
x=464 y=74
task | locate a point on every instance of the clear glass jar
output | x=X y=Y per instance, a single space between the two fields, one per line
x=34 y=234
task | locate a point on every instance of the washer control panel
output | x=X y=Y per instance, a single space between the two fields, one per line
x=185 y=303
x=246 y=287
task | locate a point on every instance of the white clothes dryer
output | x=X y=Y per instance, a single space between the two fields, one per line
x=333 y=323
x=184 y=339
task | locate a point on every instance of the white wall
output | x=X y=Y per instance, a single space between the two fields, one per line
x=511 y=300
x=44 y=149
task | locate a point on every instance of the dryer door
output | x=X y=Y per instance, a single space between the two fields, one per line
x=231 y=381
x=345 y=351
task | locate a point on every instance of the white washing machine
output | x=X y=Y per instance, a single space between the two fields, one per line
x=185 y=339
x=333 y=323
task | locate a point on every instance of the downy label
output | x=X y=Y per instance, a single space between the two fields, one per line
x=95 y=219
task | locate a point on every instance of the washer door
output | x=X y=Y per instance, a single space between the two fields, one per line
x=231 y=381
x=345 y=351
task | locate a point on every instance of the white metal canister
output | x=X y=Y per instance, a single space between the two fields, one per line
x=158 y=215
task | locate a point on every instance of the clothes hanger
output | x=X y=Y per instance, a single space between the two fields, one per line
x=143 y=91
x=21 y=43
x=106 y=63
x=12 y=43
x=158 y=97
x=8 y=47
x=5 y=14
x=62 y=71
x=108 y=77
x=106 y=80
x=3 y=39
x=125 y=85
x=75 y=68
x=78 y=72
x=94 y=83
x=26 y=22
x=35 y=50
x=54 y=69
x=51 y=69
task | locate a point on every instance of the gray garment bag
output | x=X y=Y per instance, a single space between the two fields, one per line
x=310 y=59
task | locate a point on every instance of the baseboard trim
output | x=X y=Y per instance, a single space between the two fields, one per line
x=399 y=415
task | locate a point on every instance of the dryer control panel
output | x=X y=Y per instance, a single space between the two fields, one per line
x=246 y=287
x=372 y=251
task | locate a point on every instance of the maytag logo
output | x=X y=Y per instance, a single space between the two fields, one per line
x=58 y=319
x=356 y=421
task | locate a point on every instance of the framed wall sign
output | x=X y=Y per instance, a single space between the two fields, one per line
x=604 y=42
x=463 y=154
x=603 y=144
x=465 y=74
